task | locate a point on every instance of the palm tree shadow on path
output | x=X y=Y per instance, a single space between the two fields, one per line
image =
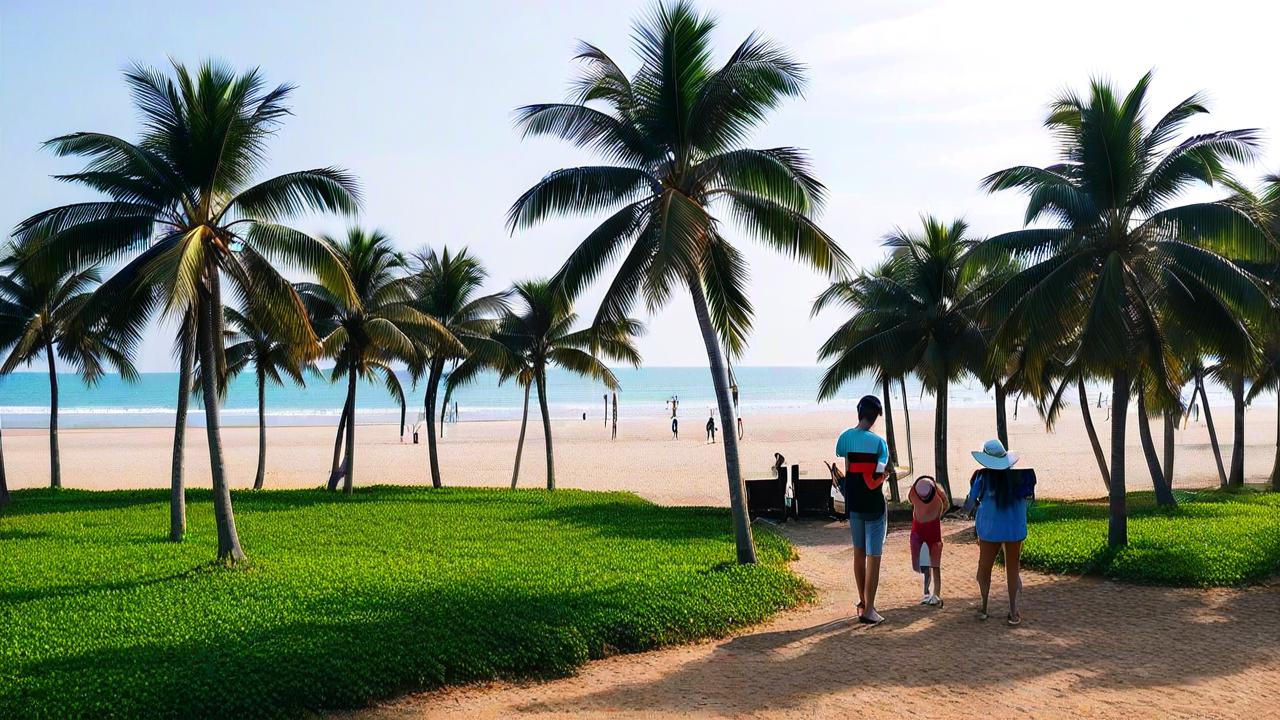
x=1085 y=647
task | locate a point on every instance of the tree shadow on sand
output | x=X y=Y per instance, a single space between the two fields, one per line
x=1097 y=634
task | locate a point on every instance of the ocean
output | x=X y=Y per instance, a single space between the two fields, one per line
x=150 y=402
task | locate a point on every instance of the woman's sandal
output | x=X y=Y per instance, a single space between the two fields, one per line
x=1012 y=620
x=858 y=609
x=982 y=615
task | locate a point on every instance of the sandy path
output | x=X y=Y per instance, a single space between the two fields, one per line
x=1085 y=649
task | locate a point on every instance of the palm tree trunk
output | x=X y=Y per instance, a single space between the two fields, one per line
x=348 y=479
x=4 y=483
x=540 y=374
x=55 y=456
x=262 y=430
x=524 y=423
x=1170 y=423
x=433 y=383
x=1093 y=434
x=906 y=416
x=1213 y=433
x=177 y=483
x=720 y=379
x=940 y=440
x=889 y=437
x=1236 y=477
x=1118 y=527
x=1002 y=419
x=335 y=470
x=1275 y=466
x=210 y=332
x=1163 y=495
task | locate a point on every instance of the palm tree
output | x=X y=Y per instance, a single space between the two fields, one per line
x=674 y=133
x=182 y=202
x=371 y=331
x=251 y=344
x=539 y=333
x=447 y=289
x=1118 y=263
x=47 y=319
x=916 y=313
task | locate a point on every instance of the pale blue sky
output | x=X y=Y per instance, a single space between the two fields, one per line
x=909 y=105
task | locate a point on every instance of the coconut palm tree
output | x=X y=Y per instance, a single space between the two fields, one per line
x=182 y=202
x=538 y=333
x=47 y=319
x=915 y=313
x=1117 y=262
x=447 y=289
x=373 y=330
x=673 y=136
x=251 y=345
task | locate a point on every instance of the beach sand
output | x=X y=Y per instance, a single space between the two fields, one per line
x=644 y=459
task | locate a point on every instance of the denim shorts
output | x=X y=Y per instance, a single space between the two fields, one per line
x=868 y=535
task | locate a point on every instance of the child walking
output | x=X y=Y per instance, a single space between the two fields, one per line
x=928 y=503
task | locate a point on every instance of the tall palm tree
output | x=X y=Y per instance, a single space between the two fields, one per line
x=916 y=313
x=182 y=203
x=674 y=133
x=372 y=330
x=47 y=319
x=447 y=289
x=252 y=345
x=538 y=333
x=1117 y=262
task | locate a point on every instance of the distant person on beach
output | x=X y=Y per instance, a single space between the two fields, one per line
x=928 y=503
x=862 y=485
x=999 y=495
x=675 y=428
x=739 y=427
x=711 y=428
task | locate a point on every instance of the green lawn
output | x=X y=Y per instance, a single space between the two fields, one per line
x=1213 y=538
x=347 y=600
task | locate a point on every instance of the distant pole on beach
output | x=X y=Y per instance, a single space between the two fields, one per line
x=606 y=411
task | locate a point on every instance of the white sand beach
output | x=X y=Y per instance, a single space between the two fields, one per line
x=644 y=459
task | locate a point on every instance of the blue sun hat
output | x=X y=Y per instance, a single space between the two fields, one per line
x=994 y=456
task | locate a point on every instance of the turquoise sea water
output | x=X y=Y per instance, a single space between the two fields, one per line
x=150 y=402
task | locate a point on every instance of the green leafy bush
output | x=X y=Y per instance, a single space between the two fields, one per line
x=347 y=600
x=1212 y=538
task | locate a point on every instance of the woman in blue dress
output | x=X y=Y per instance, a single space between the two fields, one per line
x=999 y=494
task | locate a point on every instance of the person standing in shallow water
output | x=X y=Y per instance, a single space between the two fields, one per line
x=864 y=498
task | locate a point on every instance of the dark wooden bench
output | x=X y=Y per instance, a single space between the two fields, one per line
x=768 y=497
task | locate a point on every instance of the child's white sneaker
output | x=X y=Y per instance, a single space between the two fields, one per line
x=933 y=600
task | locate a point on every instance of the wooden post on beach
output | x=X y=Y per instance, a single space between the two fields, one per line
x=906 y=414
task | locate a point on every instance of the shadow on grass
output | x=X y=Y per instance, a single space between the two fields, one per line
x=347 y=653
x=87 y=588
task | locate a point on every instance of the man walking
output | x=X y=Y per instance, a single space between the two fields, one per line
x=865 y=455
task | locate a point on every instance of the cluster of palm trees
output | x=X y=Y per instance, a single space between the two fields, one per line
x=183 y=220
x=1108 y=280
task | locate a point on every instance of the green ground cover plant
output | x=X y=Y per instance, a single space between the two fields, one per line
x=351 y=599
x=1210 y=538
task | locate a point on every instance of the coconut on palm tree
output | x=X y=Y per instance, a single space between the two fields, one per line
x=252 y=346
x=371 y=331
x=672 y=136
x=447 y=289
x=46 y=318
x=915 y=313
x=1118 y=262
x=183 y=204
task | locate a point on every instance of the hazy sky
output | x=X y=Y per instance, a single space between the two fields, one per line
x=909 y=105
